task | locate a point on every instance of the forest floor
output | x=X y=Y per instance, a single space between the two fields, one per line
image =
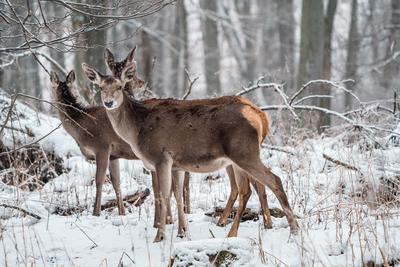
x=347 y=208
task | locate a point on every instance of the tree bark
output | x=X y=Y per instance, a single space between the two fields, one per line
x=311 y=44
x=324 y=119
x=195 y=44
x=352 y=51
x=286 y=26
x=211 y=48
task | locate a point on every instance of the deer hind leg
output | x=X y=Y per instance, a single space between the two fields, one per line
x=244 y=194
x=157 y=204
x=115 y=180
x=186 y=194
x=163 y=171
x=232 y=197
x=249 y=161
x=102 y=161
x=178 y=178
x=262 y=196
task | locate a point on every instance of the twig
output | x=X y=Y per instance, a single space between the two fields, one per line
x=32 y=143
x=341 y=163
x=277 y=149
x=331 y=83
x=191 y=82
x=24 y=211
x=120 y=263
x=94 y=243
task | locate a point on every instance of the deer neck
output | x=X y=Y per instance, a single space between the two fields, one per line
x=127 y=120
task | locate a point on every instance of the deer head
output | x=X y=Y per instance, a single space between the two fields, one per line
x=112 y=86
x=56 y=84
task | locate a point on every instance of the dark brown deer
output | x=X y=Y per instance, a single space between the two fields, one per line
x=244 y=188
x=189 y=135
x=93 y=132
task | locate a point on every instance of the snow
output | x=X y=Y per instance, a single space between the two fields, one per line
x=338 y=228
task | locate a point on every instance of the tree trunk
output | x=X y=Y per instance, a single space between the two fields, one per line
x=324 y=119
x=182 y=47
x=352 y=51
x=286 y=27
x=391 y=70
x=311 y=44
x=195 y=44
x=211 y=48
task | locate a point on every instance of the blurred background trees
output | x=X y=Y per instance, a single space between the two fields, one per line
x=227 y=44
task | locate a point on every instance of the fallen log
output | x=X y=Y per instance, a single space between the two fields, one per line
x=248 y=214
x=135 y=199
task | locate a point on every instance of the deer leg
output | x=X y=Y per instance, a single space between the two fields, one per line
x=244 y=195
x=163 y=171
x=262 y=196
x=254 y=167
x=232 y=197
x=115 y=180
x=102 y=160
x=186 y=194
x=156 y=192
x=178 y=178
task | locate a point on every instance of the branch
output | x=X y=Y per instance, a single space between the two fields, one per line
x=24 y=211
x=331 y=83
x=191 y=82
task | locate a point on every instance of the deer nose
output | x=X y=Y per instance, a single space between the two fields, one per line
x=108 y=103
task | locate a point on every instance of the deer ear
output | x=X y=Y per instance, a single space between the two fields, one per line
x=70 y=78
x=109 y=58
x=130 y=58
x=128 y=73
x=54 y=79
x=92 y=74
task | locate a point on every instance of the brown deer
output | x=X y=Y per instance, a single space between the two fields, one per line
x=244 y=188
x=97 y=140
x=189 y=135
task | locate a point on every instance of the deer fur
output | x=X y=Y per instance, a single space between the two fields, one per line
x=189 y=135
x=97 y=140
x=116 y=69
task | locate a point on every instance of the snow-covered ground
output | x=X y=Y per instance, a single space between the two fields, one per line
x=338 y=227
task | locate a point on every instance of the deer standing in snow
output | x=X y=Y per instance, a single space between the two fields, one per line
x=243 y=189
x=97 y=140
x=189 y=135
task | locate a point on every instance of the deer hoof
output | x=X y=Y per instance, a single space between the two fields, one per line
x=221 y=223
x=159 y=237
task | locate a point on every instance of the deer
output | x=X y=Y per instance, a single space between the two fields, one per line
x=116 y=67
x=97 y=140
x=203 y=136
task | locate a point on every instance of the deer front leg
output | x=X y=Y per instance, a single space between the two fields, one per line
x=116 y=182
x=163 y=171
x=102 y=160
x=232 y=198
x=178 y=178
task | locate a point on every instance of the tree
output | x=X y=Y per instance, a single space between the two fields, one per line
x=352 y=51
x=327 y=65
x=391 y=70
x=211 y=46
x=311 y=44
x=286 y=27
x=195 y=45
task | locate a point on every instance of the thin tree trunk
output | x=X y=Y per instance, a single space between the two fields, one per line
x=325 y=120
x=211 y=48
x=286 y=26
x=352 y=51
x=195 y=43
